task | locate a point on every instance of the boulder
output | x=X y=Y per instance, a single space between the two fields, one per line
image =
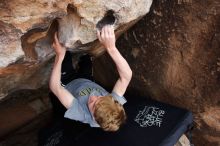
x=28 y=27
x=175 y=57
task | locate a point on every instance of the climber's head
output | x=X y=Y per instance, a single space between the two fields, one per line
x=108 y=113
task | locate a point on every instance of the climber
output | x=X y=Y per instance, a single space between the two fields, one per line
x=87 y=101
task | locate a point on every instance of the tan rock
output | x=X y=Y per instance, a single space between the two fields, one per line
x=183 y=141
x=78 y=29
x=26 y=15
x=211 y=117
x=10 y=48
x=27 y=30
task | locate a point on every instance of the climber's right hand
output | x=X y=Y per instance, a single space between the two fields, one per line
x=107 y=37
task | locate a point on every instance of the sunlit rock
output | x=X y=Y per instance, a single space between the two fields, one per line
x=27 y=29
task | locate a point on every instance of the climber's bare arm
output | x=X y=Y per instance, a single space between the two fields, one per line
x=63 y=95
x=107 y=38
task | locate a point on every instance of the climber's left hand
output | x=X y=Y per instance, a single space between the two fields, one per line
x=59 y=49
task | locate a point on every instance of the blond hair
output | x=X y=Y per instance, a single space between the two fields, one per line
x=109 y=114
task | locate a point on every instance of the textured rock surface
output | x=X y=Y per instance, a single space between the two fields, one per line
x=28 y=105
x=174 y=53
x=20 y=16
x=10 y=44
x=27 y=28
x=183 y=141
x=93 y=11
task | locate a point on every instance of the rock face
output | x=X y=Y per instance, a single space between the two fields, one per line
x=174 y=53
x=27 y=30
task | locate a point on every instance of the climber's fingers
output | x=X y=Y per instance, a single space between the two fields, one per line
x=99 y=35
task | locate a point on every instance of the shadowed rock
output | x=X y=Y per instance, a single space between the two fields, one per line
x=174 y=53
